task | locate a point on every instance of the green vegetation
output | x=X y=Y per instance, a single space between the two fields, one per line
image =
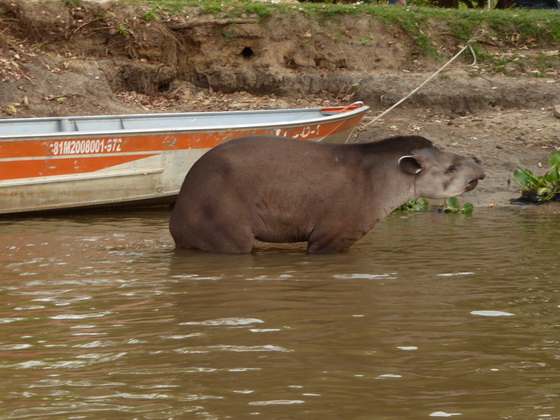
x=212 y=8
x=365 y=40
x=151 y=15
x=452 y=205
x=420 y=204
x=122 y=30
x=540 y=189
x=515 y=25
x=222 y=9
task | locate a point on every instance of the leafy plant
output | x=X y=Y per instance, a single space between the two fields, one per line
x=151 y=14
x=540 y=189
x=122 y=30
x=452 y=205
x=366 y=39
x=415 y=205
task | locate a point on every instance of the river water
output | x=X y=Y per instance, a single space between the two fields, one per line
x=430 y=315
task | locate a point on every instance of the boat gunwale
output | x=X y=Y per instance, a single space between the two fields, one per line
x=324 y=115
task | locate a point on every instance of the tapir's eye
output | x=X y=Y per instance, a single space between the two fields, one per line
x=451 y=169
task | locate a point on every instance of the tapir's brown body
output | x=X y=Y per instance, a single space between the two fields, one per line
x=284 y=190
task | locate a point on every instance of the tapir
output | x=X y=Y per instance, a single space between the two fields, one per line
x=278 y=189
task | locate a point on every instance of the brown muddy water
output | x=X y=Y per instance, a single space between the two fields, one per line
x=430 y=315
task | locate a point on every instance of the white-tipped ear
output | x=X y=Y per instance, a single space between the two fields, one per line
x=410 y=164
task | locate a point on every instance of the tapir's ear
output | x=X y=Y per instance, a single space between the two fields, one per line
x=410 y=164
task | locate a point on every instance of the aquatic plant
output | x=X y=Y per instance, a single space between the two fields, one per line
x=415 y=205
x=452 y=205
x=540 y=189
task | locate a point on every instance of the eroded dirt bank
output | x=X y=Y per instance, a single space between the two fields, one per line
x=78 y=58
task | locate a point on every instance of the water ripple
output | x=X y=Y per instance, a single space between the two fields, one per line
x=233 y=348
x=81 y=316
x=228 y=322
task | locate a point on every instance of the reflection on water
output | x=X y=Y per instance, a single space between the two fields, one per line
x=430 y=315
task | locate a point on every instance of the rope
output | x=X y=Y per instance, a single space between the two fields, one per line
x=474 y=38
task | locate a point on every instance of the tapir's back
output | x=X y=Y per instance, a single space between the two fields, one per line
x=250 y=163
x=269 y=151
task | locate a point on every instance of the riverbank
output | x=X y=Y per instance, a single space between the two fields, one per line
x=495 y=103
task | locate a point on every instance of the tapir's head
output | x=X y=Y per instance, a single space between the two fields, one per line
x=438 y=174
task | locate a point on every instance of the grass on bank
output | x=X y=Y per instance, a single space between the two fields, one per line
x=435 y=32
x=513 y=25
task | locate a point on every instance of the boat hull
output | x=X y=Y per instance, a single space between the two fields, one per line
x=68 y=169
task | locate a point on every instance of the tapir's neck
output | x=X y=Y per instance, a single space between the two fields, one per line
x=398 y=193
x=392 y=187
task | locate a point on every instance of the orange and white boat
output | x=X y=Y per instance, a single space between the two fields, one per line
x=72 y=162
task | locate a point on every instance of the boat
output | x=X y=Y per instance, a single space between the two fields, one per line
x=59 y=163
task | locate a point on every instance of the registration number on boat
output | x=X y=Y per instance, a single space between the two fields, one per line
x=80 y=147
